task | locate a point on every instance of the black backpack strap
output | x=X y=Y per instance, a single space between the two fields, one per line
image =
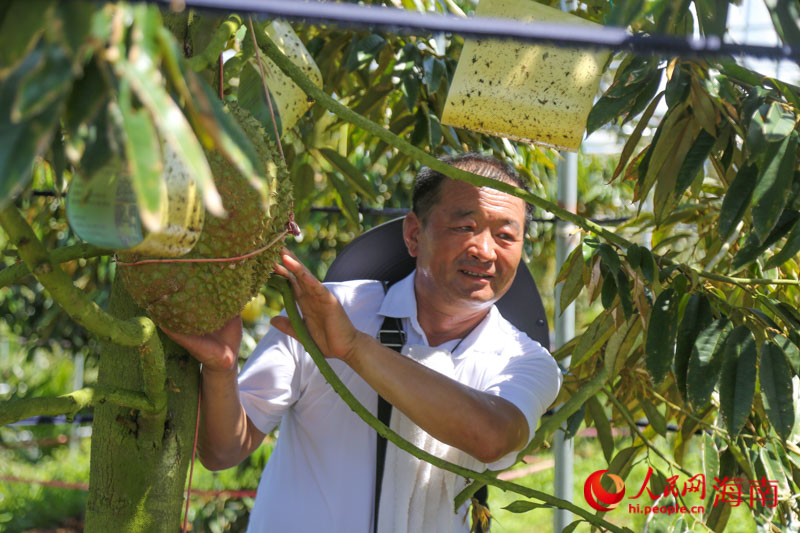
x=392 y=336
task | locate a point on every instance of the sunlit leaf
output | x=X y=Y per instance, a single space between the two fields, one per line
x=523 y=506
x=172 y=126
x=593 y=338
x=144 y=163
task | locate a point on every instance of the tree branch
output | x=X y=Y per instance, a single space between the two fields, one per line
x=297 y=75
x=77 y=304
x=69 y=404
x=351 y=401
x=17 y=272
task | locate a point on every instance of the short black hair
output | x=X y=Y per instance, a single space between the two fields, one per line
x=428 y=182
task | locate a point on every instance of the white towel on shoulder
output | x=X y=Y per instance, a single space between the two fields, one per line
x=417 y=497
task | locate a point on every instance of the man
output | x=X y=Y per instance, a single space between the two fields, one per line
x=467 y=242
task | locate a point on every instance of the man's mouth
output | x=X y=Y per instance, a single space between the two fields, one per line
x=476 y=274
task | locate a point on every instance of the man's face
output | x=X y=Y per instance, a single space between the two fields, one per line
x=469 y=247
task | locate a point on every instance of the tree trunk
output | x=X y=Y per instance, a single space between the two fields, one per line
x=136 y=481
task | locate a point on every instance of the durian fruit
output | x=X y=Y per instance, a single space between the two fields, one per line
x=197 y=298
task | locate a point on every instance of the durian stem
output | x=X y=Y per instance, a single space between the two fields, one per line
x=294 y=72
x=76 y=303
x=15 y=273
x=69 y=404
x=487 y=478
x=216 y=45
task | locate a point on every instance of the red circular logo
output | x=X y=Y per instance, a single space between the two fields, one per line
x=594 y=491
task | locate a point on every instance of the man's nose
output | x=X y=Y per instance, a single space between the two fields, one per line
x=482 y=246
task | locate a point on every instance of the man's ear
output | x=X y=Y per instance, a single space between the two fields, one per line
x=412 y=226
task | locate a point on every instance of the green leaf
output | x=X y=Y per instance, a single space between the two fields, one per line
x=662 y=329
x=737 y=379
x=696 y=317
x=47 y=82
x=172 y=126
x=622 y=463
x=344 y=199
x=410 y=89
x=624 y=292
x=20 y=30
x=712 y=16
x=753 y=248
x=434 y=71
x=214 y=121
x=21 y=142
x=86 y=98
x=775 y=378
x=774 y=183
x=790 y=350
x=434 y=131
x=571 y=527
x=353 y=175
x=634 y=255
x=609 y=290
x=789 y=250
x=648 y=265
x=778 y=123
x=251 y=97
x=693 y=162
x=710 y=457
x=573 y=284
x=737 y=198
x=706 y=361
x=420 y=133
x=620 y=344
x=654 y=417
x=609 y=257
x=602 y=425
x=523 y=506
x=144 y=163
x=574 y=421
x=593 y=338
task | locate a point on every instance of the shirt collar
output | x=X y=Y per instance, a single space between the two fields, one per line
x=401 y=302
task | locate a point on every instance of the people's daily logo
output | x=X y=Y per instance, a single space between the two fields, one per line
x=599 y=498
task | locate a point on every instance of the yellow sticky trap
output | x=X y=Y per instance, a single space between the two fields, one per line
x=290 y=99
x=525 y=92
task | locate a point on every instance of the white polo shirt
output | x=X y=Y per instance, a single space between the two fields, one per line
x=321 y=475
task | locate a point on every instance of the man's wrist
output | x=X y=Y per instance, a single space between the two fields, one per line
x=220 y=374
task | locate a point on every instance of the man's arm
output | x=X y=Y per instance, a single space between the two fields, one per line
x=227 y=436
x=483 y=425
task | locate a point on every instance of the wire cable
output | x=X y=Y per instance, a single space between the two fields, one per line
x=566 y=35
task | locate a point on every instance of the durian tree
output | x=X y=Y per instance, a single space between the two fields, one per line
x=696 y=327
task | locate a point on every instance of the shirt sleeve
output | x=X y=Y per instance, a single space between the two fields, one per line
x=531 y=382
x=270 y=381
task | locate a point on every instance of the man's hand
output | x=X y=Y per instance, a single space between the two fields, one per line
x=218 y=350
x=326 y=320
